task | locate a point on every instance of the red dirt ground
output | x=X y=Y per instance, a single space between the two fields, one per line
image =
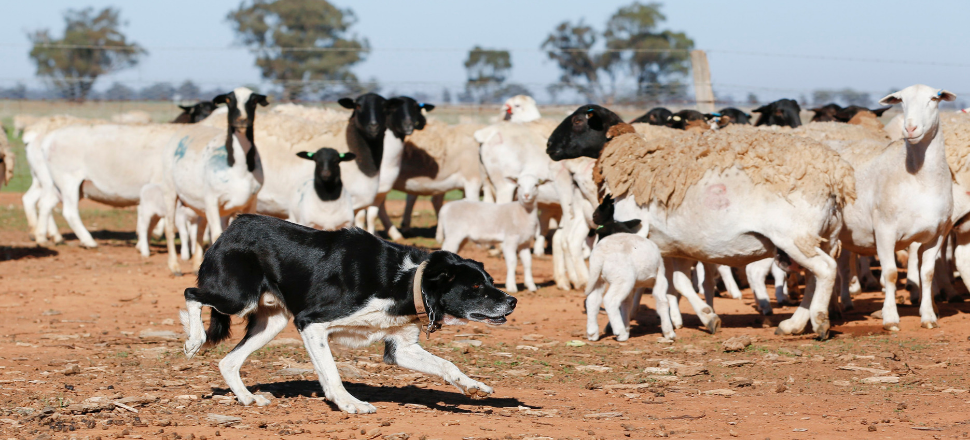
x=83 y=329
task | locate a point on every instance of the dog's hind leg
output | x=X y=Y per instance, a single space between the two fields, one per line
x=315 y=339
x=264 y=324
x=402 y=349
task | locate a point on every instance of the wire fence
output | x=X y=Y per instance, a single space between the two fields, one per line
x=119 y=87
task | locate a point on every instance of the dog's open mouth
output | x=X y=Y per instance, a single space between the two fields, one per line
x=494 y=320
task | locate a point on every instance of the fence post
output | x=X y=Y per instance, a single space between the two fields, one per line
x=703 y=93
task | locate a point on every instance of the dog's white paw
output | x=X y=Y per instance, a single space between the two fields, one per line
x=473 y=388
x=261 y=400
x=192 y=347
x=351 y=405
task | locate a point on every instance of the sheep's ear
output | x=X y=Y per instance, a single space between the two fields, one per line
x=305 y=155
x=347 y=103
x=891 y=99
x=344 y=157
x=762 y=109
x=513 y=179
x=944 y=95
x=260 y=99
x=630 y=224
x=542 y=182
x=881 y=110
x=427 y=107
x=186 y=107
x=221 y=99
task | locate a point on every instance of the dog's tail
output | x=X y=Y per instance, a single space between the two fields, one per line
x=218 y=330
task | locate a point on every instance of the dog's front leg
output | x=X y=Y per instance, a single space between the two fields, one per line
x=402 y=349
x=315 y=339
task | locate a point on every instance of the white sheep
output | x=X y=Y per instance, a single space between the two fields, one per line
x=694 y=194
x=626 y=262
x=322 y=202
x=905 y=195
x=520 y=108
x=512 y=224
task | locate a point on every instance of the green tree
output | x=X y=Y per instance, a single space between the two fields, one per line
x=570 y=46
x=92 y=45
x=302 y=45
x=660 y=59
x=487 y=72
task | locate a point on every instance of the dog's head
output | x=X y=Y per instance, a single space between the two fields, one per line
x=460 y=288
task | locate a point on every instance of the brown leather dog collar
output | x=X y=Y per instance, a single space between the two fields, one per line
x=428 y=322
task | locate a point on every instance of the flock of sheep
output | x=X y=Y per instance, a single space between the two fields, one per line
x=668 y=194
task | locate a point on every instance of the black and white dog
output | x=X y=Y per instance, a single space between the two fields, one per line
x=347 y=286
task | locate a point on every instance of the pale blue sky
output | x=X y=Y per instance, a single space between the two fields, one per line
x=917 y=33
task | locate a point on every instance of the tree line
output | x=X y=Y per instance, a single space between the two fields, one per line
x=307 y=50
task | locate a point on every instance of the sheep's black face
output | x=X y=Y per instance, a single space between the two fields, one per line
x=461 y=288
x=404 y=115
x=680 y=119
x=656 y=116
x=581 y=134
x=826 y=113
x=326 y=172
x=200 y=111
x=846 y=114
x=783 y=112
x=731 y=115
x=241 y=103
x=369 y=116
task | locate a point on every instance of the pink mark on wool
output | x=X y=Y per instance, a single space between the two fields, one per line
x=716 y=198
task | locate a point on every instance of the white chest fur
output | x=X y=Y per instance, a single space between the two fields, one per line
x=368 y=325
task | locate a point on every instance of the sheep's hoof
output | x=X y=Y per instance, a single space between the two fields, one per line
x=955 y=299
x=823 y=331
x=929 y=325
x=767 y=312
x=848 y=307
x=891 y=327
x=780 y=332
x=714 y=325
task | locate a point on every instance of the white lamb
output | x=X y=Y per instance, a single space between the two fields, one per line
x=512 y=224
x=625 y=262
x=322 y=202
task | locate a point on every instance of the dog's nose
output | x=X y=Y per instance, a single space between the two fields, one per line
x=512 y=302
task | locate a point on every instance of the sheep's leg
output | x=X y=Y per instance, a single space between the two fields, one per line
x=853 y=285
x=539 y=247
x=559 y=261
x=371 y=219
x=437 y=201
x=45 y=217
x=944 y=273
x=170 y=201
x=912 y=273
x=509 y=250
x=684 y=287
x=360 y=218
x=885 y=249
x=630 y=306
x=928 y=256
x=727 y=276
x=408 y=210
x=698 y=275
x=659 y=292
x=578 y=230
x=392 y=231
x=70 y=198
x=182 y=225
x=866 y=277
x=846 y=261
x=961 y=256
x=818 y=293
x=708 y=282
x=673 y=298
x=526 y=255
x=613 y=301
x=594 y=299
x=30 y=199
x=214 y=220
x=757 y=272
x=143 y=227
x=781 y=286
